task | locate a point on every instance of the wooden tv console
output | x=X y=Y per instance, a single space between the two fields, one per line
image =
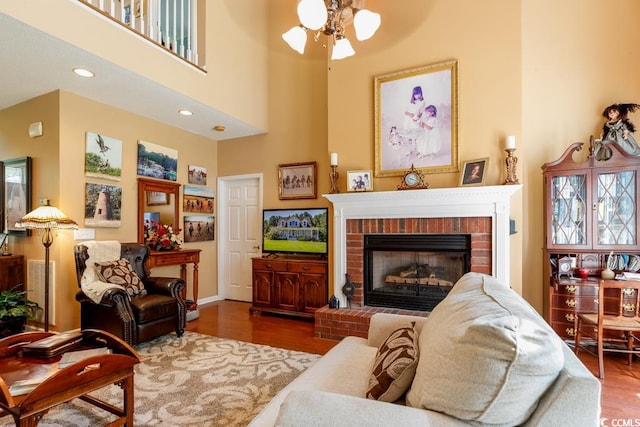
x=294 y=286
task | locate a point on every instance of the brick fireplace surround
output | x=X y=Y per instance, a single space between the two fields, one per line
x=481 y=212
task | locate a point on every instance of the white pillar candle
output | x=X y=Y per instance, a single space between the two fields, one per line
x=334 y=159
x=511 y=141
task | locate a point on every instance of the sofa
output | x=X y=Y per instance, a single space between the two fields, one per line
x=483 y=356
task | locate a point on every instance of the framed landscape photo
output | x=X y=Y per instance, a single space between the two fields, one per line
x=297 y=181
x=156 y=161
x=359 y=181
x=155 y=198
x=473 y=172
x=103 y=157
x=416 y=116
x=17 y=194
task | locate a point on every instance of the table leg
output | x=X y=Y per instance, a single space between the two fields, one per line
x=128 y=399
x=183 y=275
x=195 y=283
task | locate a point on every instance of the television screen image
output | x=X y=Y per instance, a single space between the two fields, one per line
x=296 y=231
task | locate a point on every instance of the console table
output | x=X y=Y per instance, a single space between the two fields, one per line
x=181 y=257
x=63 y=385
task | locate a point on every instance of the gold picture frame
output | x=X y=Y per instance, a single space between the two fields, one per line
x=416 y=120
x=297 y=181
x=474 y=172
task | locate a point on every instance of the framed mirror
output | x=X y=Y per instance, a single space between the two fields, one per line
x=158 y=201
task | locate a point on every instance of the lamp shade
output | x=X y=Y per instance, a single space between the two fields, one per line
x=46 y=216
x=342 y=49
x=366 y=23
x=296 y=38
x=312 y=13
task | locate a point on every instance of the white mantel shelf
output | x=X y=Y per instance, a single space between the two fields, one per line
x=484 y=201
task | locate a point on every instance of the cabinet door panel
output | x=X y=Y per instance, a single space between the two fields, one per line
x=286 y=291
x=262 y=288
x=615 y=210
x=568 y=202
x=314 y=291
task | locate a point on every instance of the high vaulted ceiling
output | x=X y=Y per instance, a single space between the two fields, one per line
x=33 y=63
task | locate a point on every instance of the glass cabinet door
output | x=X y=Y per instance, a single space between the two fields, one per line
x=616 y=209
x=568 y=203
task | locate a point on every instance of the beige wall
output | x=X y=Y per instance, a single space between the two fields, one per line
x=523 y=70
x=58 y=159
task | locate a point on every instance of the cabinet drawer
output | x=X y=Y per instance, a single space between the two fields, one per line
x=268 y=264
x=587 y=304
x=573 y=289
x=304 y=267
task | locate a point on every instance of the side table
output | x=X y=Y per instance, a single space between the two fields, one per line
x=63 y=385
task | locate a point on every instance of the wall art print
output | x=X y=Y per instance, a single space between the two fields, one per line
x=197 y=175
x=198 y=199
x=199 y=228
x=103 y=157
x=156 y=161
x=103 y=205
x=17 y=194
x=416 y=120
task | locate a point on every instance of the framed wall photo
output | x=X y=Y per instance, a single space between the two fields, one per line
x=155 y=198
x=17 y=194
x=359 y=180
x=156 y=161
x=473 y=172
x=416 y=120
x=297 y=181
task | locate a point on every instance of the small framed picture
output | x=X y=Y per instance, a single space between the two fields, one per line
x=359 y=181
x=473 y=172
x=297 y=181
x=155 y=198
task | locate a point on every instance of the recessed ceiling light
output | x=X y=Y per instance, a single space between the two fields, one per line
x=185 y=112
x=83 y=72
x=219 y=128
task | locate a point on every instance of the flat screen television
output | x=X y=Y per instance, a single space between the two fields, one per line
x=295 y=231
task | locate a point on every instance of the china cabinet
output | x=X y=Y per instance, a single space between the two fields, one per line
x=591 y=223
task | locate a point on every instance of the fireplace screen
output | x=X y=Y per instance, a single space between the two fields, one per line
x=413 y=272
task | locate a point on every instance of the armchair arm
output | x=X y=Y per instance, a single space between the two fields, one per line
x=108 y=298
x=170 y=286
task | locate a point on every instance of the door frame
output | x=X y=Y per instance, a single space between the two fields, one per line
x=223 y=185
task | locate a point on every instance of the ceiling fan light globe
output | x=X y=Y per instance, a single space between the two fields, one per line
x=312 y=13
x=366 y=23
x=296 y=38
x=342 y=49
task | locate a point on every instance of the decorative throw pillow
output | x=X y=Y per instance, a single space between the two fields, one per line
x=486 y=355
x=121 y=273
x=394 y=366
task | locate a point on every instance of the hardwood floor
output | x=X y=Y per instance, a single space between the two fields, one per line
x=231 y=319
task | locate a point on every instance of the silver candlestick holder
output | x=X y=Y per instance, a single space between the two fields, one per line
x=511 y=161
x=333 y=178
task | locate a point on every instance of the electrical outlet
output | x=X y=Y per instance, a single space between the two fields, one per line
x=84 y=234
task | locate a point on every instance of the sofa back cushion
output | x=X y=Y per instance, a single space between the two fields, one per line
x=485 y=355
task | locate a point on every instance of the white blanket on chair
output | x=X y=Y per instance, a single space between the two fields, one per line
x=104 y=251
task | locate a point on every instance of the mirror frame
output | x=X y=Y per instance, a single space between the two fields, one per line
x=145 y=185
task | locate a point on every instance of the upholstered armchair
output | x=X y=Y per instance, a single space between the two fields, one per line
x=156 y=310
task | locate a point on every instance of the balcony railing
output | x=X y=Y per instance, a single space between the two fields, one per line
x=171 y=24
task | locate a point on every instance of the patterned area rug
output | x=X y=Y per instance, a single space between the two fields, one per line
x=195 y=380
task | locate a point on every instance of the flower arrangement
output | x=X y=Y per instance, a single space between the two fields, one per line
x=161 y=237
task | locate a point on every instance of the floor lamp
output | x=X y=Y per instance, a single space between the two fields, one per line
x=45 y=218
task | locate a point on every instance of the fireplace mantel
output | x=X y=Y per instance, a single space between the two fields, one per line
x=485 y=201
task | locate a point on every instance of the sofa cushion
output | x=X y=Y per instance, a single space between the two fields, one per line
x=121 y=273
x=485 y=355
x=395 y=365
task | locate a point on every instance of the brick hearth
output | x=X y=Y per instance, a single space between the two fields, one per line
x=338 y=323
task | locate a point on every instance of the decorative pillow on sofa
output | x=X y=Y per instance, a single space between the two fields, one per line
x=394 y=366
x=485 y=355
x=121 y=273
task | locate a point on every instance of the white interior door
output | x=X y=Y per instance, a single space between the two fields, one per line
x=240 y=231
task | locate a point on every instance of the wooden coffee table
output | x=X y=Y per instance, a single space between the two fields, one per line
x=63 y=385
